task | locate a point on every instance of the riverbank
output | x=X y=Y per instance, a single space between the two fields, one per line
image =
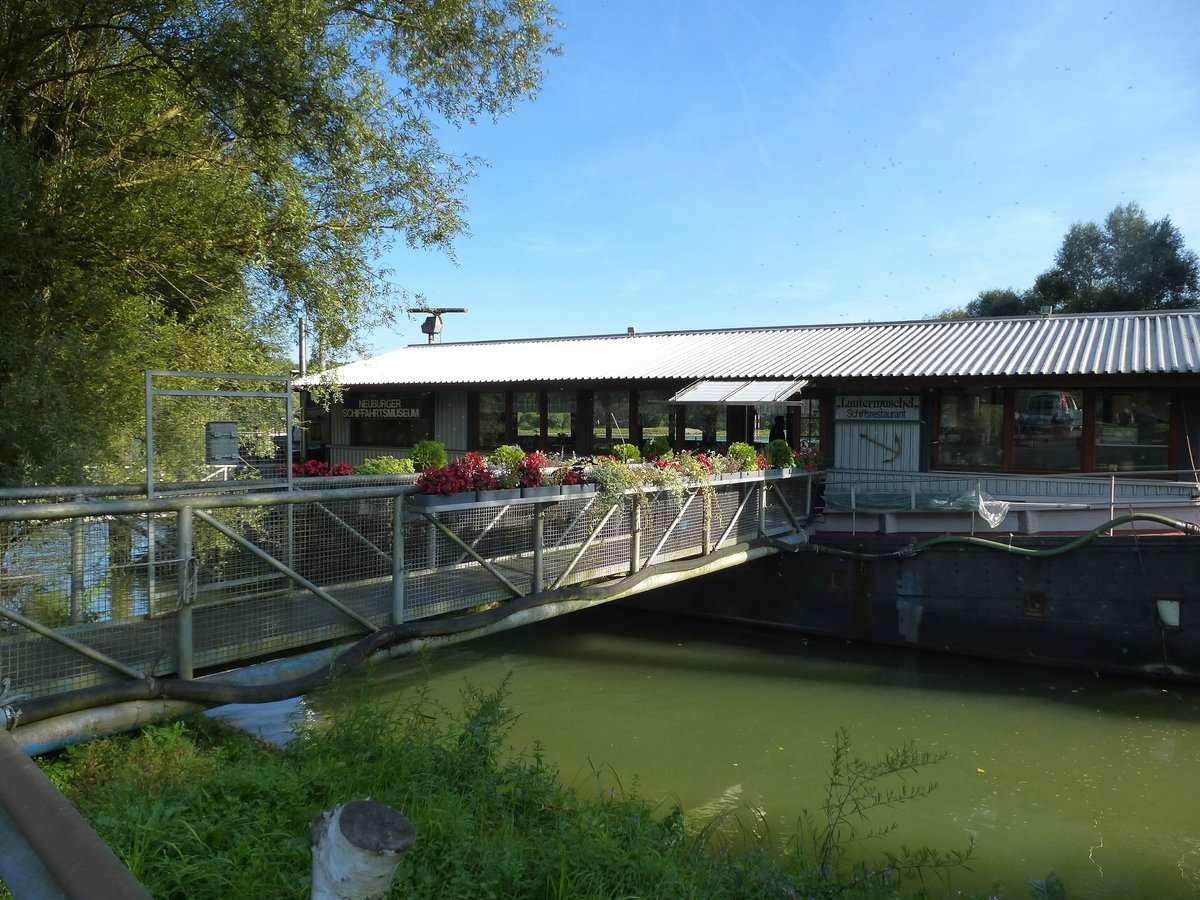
x=198 y=810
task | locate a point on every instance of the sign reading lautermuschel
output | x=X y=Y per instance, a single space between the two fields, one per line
x=890 y=408
x=382 y=408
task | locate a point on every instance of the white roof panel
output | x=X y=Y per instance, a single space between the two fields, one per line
x=738 y=393
x=1119 y=343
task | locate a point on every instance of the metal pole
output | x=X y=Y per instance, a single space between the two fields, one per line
x=187 y=593
x=710 y=494
x=635 y=534
x=539 y=539
x=50 y=850
x=398 y=611
x=78 y=566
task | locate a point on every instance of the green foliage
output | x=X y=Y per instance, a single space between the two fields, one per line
x=384 y=465
x=627 y=453
x=181 y=181
x=427 y=455
x=657 y=448
x=746 y=456
x=1049 y=888
x=855 y=789
x=612 y=479
x=198 y=810
x=507 y=460
x=779 y=454
x=1127 y=263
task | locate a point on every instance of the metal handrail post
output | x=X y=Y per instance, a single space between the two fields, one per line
x=187 y=594
x=398 y=574
x=635 y=535
x=762 y=508
x=706 y=538
x=539 y=541
x=78 y=566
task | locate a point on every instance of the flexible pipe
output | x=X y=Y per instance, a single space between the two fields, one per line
x=220 y=690
x=929 y=543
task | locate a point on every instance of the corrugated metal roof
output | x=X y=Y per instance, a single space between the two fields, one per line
x=1115 y=344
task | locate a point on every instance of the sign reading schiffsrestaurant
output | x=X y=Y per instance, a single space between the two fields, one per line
x=891 y=408
x=382 y=407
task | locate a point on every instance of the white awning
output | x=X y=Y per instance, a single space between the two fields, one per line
x=740 y=393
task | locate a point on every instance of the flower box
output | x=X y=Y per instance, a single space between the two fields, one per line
x=427 y=500
x=574 y=490
x=501 y=495
x=544 y=492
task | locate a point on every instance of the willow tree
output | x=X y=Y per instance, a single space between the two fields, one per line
x=182 y=180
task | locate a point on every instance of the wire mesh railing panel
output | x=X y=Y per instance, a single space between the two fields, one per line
x=607 y=538
x=343 y=541
x=90 y=579
x=444 y=573
x=674 y=527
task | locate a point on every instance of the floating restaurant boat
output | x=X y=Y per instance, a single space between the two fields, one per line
x=1017 y=488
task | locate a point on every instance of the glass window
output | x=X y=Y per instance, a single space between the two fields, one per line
x=808 y=426
x=654 y=415
x=380 y=419
x=610 y=420
x=704 y=425
x=560 y=421
x=493 y=427
x=1048 y=430
x=764 y=419
x=1133 y=428
x=971 y=423
x=529 y=420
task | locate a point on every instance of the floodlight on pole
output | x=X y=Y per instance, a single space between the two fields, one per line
x=433 y=324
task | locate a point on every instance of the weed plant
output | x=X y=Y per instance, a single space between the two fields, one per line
x=198 y=810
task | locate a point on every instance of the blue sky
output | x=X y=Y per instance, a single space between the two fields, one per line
x=710 y=164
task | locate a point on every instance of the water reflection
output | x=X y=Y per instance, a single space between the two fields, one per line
x=1092 y=777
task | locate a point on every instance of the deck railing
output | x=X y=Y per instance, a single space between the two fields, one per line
x=99 y=584
x=863 y=489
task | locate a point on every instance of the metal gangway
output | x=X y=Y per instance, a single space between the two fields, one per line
x=98 y=587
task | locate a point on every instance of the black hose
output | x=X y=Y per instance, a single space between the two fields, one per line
x=1074 y=544
x=210 y=692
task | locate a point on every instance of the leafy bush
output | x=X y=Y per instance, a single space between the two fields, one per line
x=658 y=448
x=506 y=461
x=384 y=465
x=745 y=456
x=315 y=468
x=531 y=470
x=627 y=453
x=470 y=472
x=427 y=455
x=779 y=454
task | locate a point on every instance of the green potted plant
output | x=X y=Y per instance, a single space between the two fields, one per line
x=612 y=479
x=779 y=454
x=427 y=455
x=627 y=453
x=384 y=465
x=657 y=448
x=744 y=455
x=506 y=464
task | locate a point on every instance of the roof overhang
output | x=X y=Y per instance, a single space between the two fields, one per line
x=740 y=393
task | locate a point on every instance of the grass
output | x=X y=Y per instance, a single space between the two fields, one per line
x=198 y=810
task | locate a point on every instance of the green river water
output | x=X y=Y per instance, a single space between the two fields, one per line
x=1095 y=778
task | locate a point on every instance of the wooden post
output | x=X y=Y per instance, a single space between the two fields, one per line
x=356 y=849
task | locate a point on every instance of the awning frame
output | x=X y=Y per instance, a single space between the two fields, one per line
x=743 y=392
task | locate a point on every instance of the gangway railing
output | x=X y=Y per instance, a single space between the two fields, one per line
x=108 y=587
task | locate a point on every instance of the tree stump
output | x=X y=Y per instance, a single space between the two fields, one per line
x=356 y=848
